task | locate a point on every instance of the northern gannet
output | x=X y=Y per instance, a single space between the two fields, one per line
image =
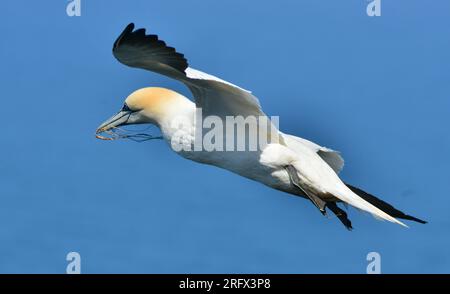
x=287 y=163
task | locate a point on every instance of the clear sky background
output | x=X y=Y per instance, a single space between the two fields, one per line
x=376 y=89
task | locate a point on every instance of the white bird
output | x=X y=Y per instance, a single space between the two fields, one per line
x=287 y=163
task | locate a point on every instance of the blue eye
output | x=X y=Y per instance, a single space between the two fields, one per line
x=125 y=108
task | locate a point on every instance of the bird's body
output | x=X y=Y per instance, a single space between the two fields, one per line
x=255 y=165
x=283 y=162
x=267 y=165
x=245 y=163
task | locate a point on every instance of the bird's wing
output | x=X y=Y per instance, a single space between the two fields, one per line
x=221 y=98
x=136 y=49
x=331 y=157
x=213 y=95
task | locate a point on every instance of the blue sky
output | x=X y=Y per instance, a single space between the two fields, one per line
x=376 y=89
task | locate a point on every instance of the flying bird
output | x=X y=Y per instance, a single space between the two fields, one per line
x=287 y=163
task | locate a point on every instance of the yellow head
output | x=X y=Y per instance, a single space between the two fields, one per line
x=148 y=105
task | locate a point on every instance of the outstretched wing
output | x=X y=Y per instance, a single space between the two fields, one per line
x=136 y=49
x=213 y=95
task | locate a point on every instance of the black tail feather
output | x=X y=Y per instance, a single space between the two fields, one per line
x=341 y=214
x=386 y=207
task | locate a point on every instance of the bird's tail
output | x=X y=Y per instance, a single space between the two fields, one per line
x=352 y=198
x=384 y=206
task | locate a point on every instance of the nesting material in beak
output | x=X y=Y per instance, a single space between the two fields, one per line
x=111 y=128
x=119 y=119
x=118 y=133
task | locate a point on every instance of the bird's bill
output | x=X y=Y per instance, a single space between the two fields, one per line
x=123 y=117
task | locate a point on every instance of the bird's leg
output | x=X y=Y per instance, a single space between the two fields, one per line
x=341 y=214
x=319 y=203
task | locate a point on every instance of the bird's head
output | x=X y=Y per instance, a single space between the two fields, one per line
x=147 y=105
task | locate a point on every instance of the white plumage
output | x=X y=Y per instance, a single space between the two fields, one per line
x=289 y=163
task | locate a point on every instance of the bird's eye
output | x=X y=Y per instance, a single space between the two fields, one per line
x=125 y=108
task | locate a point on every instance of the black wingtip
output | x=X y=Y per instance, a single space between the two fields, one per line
x=128 y=30
x=384 y=206
x=412 y=218
x=150 y=47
